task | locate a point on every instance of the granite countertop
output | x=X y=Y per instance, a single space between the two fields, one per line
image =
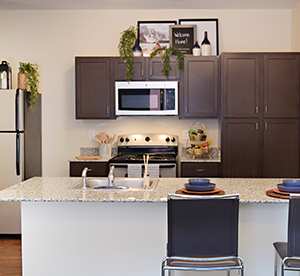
x=57 y=189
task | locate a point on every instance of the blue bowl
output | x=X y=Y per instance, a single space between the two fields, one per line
x=291 y=183
x=199 y=181
x=207 y=188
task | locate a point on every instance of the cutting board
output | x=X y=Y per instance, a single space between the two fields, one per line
x=88 y=157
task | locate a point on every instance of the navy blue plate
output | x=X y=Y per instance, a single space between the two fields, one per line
x=282 y=188
x=209 y=187
x=291 y=183
x=199 y=181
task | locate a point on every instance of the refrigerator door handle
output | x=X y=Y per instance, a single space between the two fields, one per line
x=17 y=102
x=18 y=153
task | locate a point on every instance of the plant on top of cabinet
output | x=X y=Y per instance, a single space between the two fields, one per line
x=126 y=43
x=28 y=78
x=165 y=54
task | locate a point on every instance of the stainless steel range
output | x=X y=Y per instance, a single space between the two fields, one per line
x=162 y=150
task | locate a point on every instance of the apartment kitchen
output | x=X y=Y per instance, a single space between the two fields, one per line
x=65 y=39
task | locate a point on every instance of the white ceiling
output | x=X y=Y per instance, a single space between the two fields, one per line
x=144 y=4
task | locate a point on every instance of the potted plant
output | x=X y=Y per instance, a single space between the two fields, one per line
x=126 y=43
x=165 y=53
x=28 y=79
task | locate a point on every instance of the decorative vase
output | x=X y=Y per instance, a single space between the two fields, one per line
x=137 y=50
x=196 y=49
x=22 y=81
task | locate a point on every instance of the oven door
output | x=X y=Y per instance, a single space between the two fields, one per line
x=137 y=170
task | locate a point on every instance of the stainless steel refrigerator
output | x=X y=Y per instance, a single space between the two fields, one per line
x=20 y=150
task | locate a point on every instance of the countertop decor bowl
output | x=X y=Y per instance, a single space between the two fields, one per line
x=207 y=188
x=291 y=182
x=199 y=181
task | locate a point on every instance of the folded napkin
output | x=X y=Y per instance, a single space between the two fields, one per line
x=134 y=170
x=153 y=170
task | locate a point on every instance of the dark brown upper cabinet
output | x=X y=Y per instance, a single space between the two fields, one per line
x=281 y=85
x=255 y=85
x=139 y=69
x=200 y=94
x=94 y=89
x=145 y=68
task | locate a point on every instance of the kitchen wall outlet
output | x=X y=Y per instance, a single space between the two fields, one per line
x=185 y=135
x=91 y=134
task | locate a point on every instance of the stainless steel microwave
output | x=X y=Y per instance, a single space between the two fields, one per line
x=146 y=98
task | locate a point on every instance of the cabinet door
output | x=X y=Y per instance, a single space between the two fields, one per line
x=139 y=69
x=200 y=169
x=94 y=95
x=281 y=148
x=156 y=66
x=200 y=88
x=240 y=85
x=281 y=85
x=98 y=169
x=240 y=148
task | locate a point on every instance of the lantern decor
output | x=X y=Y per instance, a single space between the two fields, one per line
x=5 y=75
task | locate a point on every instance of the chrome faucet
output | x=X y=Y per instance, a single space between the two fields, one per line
x=111 y=176
x=84 y=176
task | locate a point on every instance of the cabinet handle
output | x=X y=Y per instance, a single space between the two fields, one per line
x=150 y=72
x=256 y=126
x=186 y=111
x=266 y=110
x=256 y=110
x=142 y=73
x=107 y=110
x=200 y=170
x=266 y=126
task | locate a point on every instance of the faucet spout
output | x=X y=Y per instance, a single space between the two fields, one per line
x=84 y=176
x=111 y=176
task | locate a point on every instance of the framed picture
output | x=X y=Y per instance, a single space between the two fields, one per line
x=183 y=37
x=209 y=25
x=152 y=34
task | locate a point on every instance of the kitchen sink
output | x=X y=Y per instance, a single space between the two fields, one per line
x=120 y=184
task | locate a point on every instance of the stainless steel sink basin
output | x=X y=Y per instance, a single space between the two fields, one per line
x=101 y=184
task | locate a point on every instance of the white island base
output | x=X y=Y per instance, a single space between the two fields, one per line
x=129 y=239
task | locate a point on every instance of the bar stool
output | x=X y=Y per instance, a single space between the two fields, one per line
x=202 y=234
x=289 y=252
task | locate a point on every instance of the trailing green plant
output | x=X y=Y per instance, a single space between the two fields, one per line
x=165 y=53
x=125 y=46
x=32 y=81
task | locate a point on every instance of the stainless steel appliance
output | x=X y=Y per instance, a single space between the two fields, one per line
x=146 y=98
x=162 y=150
x=20 y=148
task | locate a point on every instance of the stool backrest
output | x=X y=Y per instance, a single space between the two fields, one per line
x=294 y=227
x=203 y=227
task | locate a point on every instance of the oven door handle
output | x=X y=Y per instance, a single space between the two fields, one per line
x=161 y=165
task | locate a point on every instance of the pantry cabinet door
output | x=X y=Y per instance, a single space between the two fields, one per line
x=240 y=85
x=241 y=156
x=281 y=148
x=281 y=85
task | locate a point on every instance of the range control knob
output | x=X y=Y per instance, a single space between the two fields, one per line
x=147 y=139
x=127 y=139
x=173 y=139
x=167 y=139
x=121 y=139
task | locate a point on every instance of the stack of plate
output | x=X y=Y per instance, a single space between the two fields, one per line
x=289 y=186
x=199 y=185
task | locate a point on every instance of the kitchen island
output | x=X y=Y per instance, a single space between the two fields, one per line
x=76 y=232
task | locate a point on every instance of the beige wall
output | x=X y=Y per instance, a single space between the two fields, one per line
x=53 y=38
x=296 y=28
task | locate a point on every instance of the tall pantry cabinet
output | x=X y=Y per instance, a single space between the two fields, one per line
x=260 y=114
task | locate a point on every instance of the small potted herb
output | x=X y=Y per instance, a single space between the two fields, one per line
x=28 y=79
x=165 y=53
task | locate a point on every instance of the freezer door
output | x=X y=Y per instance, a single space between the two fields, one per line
x=11 y=110
x=10 y=218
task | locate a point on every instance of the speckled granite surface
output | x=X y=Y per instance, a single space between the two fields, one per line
x=57 y=189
